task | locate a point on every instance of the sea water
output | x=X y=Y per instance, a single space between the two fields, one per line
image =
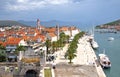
x=112 y=49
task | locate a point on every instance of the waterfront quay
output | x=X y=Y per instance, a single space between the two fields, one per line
x=86 y=56
x=85 y=64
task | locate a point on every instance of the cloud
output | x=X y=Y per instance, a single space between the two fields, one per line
x=19 y=5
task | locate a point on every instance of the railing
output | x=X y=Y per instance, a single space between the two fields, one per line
x=8 y=64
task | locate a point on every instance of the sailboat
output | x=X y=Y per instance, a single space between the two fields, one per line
x=94 y=44
x=104 y=60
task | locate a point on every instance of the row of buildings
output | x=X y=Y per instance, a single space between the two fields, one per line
x=116 y=27
x=11 y=37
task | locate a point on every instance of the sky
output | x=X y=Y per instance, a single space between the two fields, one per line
x=84 y=11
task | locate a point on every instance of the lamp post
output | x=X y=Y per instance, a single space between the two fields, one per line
x=44 y=49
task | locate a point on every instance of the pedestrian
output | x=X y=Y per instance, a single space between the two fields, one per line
x=54 y=65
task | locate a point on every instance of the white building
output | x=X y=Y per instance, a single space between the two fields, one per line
x=12 y=43
x=51 y=36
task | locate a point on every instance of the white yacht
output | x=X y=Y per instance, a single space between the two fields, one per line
x=110 y=39
x=104 y=61
x=94 y=44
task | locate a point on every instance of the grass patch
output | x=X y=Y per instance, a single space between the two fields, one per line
x=47 y=73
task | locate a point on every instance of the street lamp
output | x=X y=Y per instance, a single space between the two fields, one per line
x=44 y=49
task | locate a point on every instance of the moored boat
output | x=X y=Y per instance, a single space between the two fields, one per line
x=94 y=44
x=104 y=61
x=110 y=38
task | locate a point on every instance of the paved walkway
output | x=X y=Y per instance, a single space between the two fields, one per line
x=67 y=70
x=85 y=53
x=61 y=55
x=87 y=56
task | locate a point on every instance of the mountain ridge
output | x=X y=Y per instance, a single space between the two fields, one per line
x=116 y=22
x=4 y=23
x=112 y=23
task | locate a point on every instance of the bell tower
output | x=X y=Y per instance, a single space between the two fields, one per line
x=38 y=25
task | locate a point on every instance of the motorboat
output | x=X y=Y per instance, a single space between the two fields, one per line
x=110 y=38
x=94 y=44
x=104 y=61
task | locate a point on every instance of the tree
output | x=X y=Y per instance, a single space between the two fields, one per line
x=19 y=48
x=63 y=39
x=71 y=52
x=54 y=46
x=48 y=45
x=2 y=47
x=2 y=53
x=67 y=38
x=70 y=55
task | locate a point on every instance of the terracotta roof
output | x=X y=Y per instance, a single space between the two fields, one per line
x=1 y=34
x=65 y=28
x=51 y=34
x=13 y=41
x=25 y=37
x=42 y=37
x=1 y=42
x=49 y=30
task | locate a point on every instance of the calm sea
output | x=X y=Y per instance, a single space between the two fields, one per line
x=112 y=49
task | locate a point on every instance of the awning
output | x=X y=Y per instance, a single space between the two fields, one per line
x=12 y=56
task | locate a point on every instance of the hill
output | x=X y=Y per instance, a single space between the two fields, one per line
x=47 y=23
x=113 y=23
x=10 y=23
x=117 y=22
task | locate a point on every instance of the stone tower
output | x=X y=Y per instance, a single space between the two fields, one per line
x=58 y=32
x=38 y=25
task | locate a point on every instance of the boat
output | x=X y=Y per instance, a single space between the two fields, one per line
x=104 y=61
x=94 y=44
x=110 y=39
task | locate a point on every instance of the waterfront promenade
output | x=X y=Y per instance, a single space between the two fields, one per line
x=85 y=57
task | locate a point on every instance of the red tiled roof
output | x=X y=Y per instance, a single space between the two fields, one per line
x=65 y=28
x=49 y=30
x=1 y=35
x=51 y=34
x=13 y=41
x=42 y=37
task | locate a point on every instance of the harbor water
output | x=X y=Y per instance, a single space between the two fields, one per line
x=112 y=49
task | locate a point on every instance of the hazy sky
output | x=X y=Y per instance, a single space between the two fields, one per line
x=85 y=11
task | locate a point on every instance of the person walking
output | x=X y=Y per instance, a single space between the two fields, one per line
x=54 y=65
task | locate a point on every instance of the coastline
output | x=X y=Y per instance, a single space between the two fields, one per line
x=86 y=56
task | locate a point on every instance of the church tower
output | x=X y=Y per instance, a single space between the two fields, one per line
x=38 y=25
x=58 y=32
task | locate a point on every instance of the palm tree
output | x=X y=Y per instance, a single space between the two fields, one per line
x=48 y=45
x=62 y=38
x=67 y=38
x=54 y=46
x=70 y=55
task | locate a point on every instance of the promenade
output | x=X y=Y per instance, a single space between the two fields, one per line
x=85 y=59
x=87 y=56
x=61 y=55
